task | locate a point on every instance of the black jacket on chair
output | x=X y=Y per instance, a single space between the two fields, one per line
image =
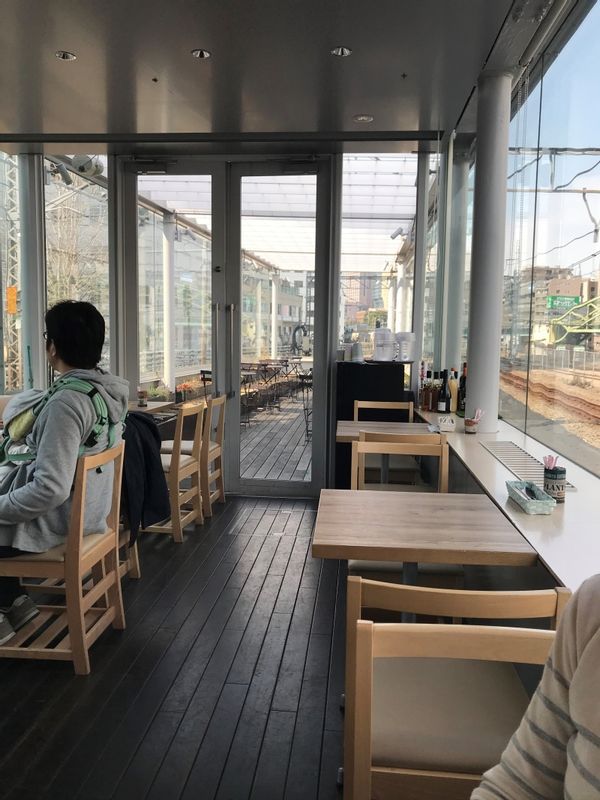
x=145 y=495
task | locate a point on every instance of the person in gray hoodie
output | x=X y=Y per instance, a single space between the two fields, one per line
x=35 y=496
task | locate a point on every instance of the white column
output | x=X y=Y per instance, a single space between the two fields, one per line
x=258 y=319
x=419 y=261
x=169 y=227
x=456 y=261
x=391 y=300
x=274 y=316
x=33 y=270
x=487 y=259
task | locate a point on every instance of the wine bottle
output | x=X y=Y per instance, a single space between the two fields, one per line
x=453 y=387
x=427 y=392
x=443 y=403
x=462 y=392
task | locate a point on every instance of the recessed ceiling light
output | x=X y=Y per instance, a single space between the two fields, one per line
x=363 y=118
x=341 y=51
x=64 y=55
x=199 y=52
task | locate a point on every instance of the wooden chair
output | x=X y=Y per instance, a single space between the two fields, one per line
x=384 y=406
x=430 y=444
x=180 y=464
x=392 y=748
x=212 y=453
x=66 y=632
x=129 y=564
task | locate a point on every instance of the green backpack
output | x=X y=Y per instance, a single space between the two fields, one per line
x=22 y=424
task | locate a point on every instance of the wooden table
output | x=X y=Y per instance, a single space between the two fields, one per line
x=414 y=526
x=153 y=407
x=347 y=430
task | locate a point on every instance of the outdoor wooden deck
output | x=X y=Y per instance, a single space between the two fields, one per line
x=274 y=446
x=225 y=684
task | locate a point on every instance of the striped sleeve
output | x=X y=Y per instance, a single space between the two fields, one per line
x=534 y=763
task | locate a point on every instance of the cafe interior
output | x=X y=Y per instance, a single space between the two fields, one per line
x=347 y=258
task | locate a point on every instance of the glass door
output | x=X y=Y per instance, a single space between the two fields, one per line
x=274 y=340
x=230 y=256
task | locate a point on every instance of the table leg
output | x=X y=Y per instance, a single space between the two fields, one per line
x=385 y=468
x=410 y=570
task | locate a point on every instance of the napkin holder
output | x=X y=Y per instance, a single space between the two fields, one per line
x=447 y=424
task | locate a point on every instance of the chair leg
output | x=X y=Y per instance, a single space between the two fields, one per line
x=220 y=482
x=98 y=573
x=76 y=623
x=115 y=597
x=134 y=561
x=197 y=499
x=205 y=486
x=176 y=528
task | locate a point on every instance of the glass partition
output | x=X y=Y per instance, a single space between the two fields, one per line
x=377 y=246
x=11 y=356
x=76 y=216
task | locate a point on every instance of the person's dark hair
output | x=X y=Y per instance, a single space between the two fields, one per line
x=77 y=330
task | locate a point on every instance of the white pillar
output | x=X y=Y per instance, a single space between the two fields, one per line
x=258 y=319
x=487 y=259
x=274 y=315
x=391 y=300
x=169 y=226
x=419 y=261
x=456 y=261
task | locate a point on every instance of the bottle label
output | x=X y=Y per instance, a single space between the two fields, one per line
x=441 y=406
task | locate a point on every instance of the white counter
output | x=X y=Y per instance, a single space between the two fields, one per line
x=568 y=540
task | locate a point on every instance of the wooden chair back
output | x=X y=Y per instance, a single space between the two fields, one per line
x=196 y=412
x=384 y=406
x=85 y=465
x=478 y=642
x=433 y=445
x=214 y=423
x=362 y=593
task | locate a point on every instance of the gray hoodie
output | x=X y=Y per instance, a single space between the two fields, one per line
x=35 y=498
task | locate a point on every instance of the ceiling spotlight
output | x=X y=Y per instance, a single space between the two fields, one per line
x=199 y=52
x=64 y=55
x=341 y=51
x=363 y=118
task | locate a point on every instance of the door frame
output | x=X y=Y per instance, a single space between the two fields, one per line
x=226 y=174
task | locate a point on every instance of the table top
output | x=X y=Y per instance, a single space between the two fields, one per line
x=153 y=407
x=568 y=540
x=415 y=526
x=348 y=430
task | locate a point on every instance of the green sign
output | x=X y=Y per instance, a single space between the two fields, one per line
x=561 y=303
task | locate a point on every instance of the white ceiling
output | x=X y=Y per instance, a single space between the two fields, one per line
x=271 y=70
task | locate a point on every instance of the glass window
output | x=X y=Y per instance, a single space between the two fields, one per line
x=431 y=260
x=150 y=278
x=378 y=211
x=467 y=284
x=193 y=350
x=76 y=214
x=11 y=371
x=550 y=374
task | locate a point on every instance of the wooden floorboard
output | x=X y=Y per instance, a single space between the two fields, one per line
x=274 y=447
x=225 y=683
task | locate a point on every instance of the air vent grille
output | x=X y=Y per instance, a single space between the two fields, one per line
x=525 y=466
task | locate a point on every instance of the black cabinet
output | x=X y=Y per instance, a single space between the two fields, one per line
x=382 y=381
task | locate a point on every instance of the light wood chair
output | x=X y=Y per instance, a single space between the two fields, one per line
x=212 y=454
x=66 y=632
x=430 y=444
x=379 y=405
x=129 y=564
x=180 y=464
x=392 y=748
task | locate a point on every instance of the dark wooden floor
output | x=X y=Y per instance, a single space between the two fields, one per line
x=225 y=684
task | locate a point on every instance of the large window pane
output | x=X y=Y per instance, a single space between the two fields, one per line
x=431 y=259
x=150 y=293
x=77 y=239
x=377 y=259
x=11 y=367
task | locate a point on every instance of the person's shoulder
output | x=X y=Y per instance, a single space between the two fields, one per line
x=589 y=593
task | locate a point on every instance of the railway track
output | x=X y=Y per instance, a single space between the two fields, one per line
x=582 y=410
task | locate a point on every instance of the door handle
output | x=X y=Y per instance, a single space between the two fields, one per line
x=215 y=350
x=231 y=390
